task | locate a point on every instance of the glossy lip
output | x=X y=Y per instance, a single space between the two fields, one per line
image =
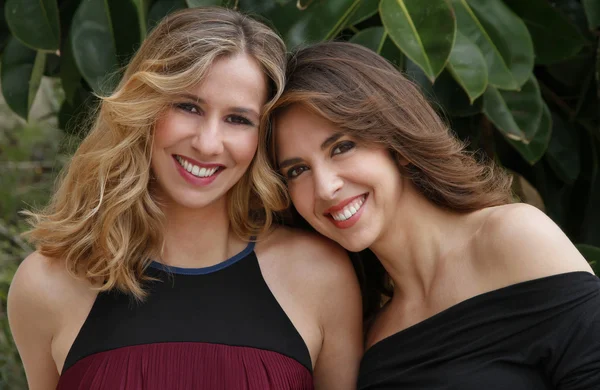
x=353 y=219
x=344 y=203
x=194 y=180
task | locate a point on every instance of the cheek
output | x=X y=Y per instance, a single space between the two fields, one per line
x=300 y=194
x=243 y=147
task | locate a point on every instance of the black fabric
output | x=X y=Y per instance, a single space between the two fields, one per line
x=538 y=335
x=231 y=306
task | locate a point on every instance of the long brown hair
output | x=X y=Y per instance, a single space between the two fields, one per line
x=103 y=220
x=367 y=98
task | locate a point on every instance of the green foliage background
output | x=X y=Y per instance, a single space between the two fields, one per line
x=518 y=79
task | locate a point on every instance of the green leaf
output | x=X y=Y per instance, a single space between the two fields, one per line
x=444 y=92
x=502 y=38
x=162 y=8
x=364 y=11
x=390 y=52
x=591 y=254
x=203 y=3
x=69 y=73
x=554 y=37
x=314 y=21
x=93 y=45
x=516 y=114
x=34 y=22
x=535 y=149
x=424 y=31
x=142 y=7
x=563 y=153
x=72 y=117
x=372 y=38
x=125 y=28
x=592 y=11
x=20 y=74
x=468 y=67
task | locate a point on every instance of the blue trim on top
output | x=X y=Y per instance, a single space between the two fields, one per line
x=205 y=270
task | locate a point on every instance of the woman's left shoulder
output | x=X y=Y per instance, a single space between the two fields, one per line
x=304 y=248
x=520 y=242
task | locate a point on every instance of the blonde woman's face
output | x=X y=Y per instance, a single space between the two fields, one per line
x=347 y=191
x=206 y=140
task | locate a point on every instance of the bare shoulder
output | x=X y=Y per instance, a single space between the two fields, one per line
x=41 y=287
x=520 y=242
x=307 y=253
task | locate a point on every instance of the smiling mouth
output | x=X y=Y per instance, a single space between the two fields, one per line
x=196 y=170
x=349 y=210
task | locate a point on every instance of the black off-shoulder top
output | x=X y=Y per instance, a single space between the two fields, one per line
x=537 y=335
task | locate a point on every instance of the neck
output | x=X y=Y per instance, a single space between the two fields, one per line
x=413 y=247
x=196 y=238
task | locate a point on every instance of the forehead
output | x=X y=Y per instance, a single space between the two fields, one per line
x=236 y=80
x=299 y=130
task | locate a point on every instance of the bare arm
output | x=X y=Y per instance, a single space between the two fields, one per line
x=32 y=322
x=341 y=326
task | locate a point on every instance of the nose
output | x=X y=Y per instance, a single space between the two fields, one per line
x=327 y=183
x=209 y=139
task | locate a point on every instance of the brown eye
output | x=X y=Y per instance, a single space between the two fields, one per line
x=188 y=107
x=343 y=147
x=239 y=120
x=294 y=172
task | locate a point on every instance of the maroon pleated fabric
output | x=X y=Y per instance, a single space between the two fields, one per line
x=163 y=366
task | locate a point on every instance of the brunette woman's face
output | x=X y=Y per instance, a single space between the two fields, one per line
x=347 y=191
x=206 y=140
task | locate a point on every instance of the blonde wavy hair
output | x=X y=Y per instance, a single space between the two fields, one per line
x=369 y=99
x=103 y=220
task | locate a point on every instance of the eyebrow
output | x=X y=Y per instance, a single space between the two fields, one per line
x=295 y=160
x=239 y=110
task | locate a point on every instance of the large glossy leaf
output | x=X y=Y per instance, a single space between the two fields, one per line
x=21 y=73
x=260 y=7
x=554 y=37
x=390 y=52
x=535 y=149
x=125 y=27
x=516 y=114
x=93 y=45
x=142 y=6
x=203 y=3
x=34 y=22
x=468 y=67
x=313 y=21
x=424 y=31
x=161 y=8
x=444 y=92
x=372 y=37
x=502 y=38
x=563 y=153
x=69 y=73
x=364 y=11
x=73 y=116
x=592 y=11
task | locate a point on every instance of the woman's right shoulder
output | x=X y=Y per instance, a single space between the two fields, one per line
x=43 y=285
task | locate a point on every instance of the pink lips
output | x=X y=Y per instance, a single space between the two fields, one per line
x=194 y=180
x=350 y=221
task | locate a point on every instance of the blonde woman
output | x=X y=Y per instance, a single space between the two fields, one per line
x=485 y=294
x=147 y=275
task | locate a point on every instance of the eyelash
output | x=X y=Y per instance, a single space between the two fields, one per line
x=233 y=119
x=343 y=147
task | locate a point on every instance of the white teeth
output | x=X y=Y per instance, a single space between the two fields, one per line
x=194 y=169
x=349 y=210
